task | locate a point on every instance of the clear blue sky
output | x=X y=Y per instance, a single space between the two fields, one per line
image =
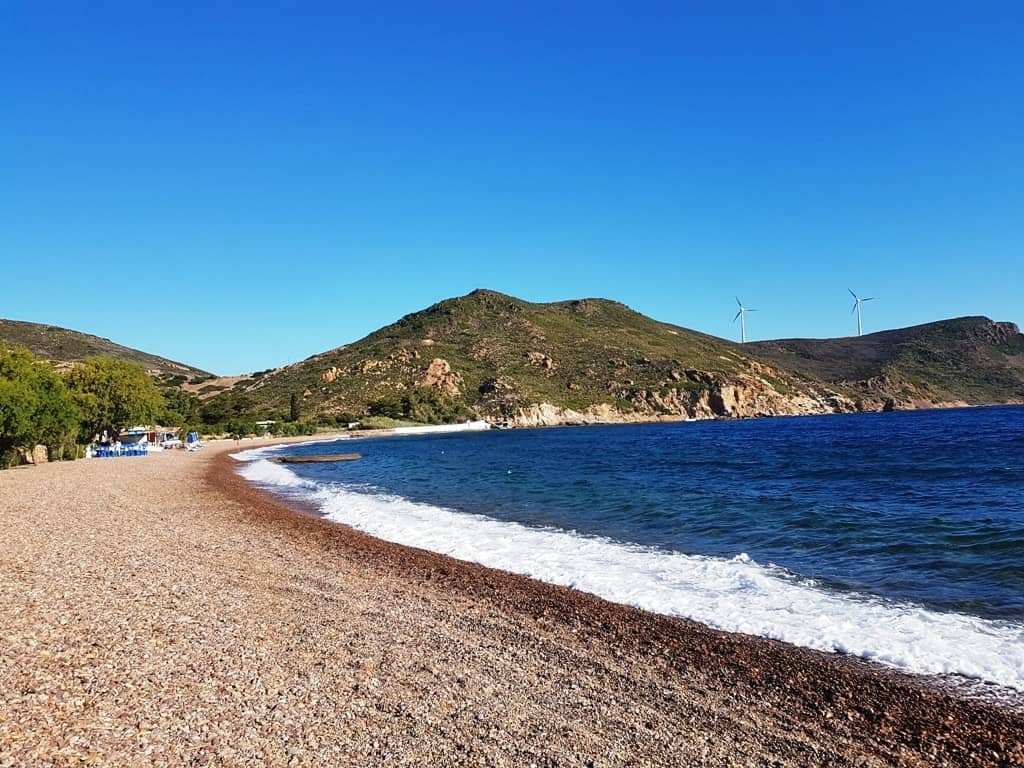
x=273 y=180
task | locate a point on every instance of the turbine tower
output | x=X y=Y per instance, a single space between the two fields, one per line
x=857 y=301
x=741 y=316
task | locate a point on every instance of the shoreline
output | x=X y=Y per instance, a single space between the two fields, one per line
x=162 y=610
x=878 y=698
x=928 y=650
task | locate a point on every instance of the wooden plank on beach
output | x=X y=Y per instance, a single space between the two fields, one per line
x=316 y=459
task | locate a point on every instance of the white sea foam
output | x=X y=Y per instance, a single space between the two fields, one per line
x=737 y=595
x=251 y=454
x=268 y=473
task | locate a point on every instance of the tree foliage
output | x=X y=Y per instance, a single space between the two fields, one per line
x=35 y=406
x=113 y=394
x=423 y=405
x=227 y=407
x=180 y=408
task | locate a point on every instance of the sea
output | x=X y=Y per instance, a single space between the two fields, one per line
x=895 y=537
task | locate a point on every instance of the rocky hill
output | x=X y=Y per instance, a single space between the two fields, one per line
x=968 y=361
x=592 y=360
x=491 y=355
x=62 y=346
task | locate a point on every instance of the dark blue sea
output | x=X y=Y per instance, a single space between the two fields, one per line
x=895 y=536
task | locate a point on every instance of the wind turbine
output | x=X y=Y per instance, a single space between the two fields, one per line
x=857 y=301
x=741 y=316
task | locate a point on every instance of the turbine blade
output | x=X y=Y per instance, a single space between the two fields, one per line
x=869 y=298
x=751 y=310
x=852 y=293
x=855 y=305
x=737 y=316
x=740 y=303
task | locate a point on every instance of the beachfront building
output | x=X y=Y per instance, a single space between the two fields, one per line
x=153 y=435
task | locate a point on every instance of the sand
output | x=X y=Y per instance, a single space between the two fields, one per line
x=158 y=611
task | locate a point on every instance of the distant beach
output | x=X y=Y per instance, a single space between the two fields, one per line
x=161 y=610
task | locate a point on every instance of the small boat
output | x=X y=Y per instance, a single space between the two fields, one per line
x=325 y=457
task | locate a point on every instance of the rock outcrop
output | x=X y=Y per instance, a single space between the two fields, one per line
x=548 y=415
x=440 y=376
x=543 y=361
x=711 y=397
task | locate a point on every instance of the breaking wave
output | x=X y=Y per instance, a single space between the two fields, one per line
x=733 y=594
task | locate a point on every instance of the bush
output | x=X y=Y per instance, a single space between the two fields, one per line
x=240 y=427
x=383 y=422
x=9 y=457
x=293 y=428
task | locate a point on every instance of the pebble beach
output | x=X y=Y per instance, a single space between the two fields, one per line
x=160 y=611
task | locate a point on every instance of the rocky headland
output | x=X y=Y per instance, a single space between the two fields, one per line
x=487 y=355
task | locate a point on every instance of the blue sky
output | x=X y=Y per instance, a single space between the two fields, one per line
x=279 y=179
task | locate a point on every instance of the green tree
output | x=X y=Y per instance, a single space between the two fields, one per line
x=390 y=406
x=432 y=407
x=240 y=426
x=228 y=406
x=35 y=406
x=240 y=404
x=422 y=404
x=113 y=394
x=293 y=408
x=179 y=408
x=216 y=410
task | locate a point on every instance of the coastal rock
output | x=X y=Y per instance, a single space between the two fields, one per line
x=548 y=415
x=738 y=396
x=746 y=396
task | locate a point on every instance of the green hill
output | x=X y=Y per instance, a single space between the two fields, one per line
x=969 y=359
x=589 y=360
x=496 y=356
x=62 y=346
